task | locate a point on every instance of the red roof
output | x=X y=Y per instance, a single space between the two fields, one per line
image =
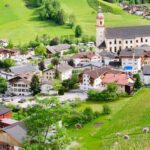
x=120 y=79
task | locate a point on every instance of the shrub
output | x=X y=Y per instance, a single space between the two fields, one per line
x=61 y=91
x=106 y=110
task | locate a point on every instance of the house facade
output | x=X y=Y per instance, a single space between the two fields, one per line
x=19 y=85
x=99 y=79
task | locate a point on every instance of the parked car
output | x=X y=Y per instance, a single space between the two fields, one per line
x=22 y=100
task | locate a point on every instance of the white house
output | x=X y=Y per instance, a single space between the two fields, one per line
x=19 y=85
x=132 y=60
x=47 y=87
x=84 y=57
x=99 y=79
x=146 y=75
x=64 y=71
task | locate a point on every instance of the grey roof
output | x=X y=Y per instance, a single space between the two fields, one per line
x=17 y=131
x=143 y=47
x=58 y=48
x=108 y=54
x=131 y=52
x=127 y=32
x=146 y=70
x=94 y=63
x=4 y=110
x=23 y=69
x=64 y=67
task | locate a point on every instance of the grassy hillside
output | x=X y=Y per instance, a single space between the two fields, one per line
x=21 y=24
x=128 y=116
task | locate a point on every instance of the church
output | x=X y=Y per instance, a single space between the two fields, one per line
x=118 y=38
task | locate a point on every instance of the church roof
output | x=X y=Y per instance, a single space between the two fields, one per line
x=127 y=32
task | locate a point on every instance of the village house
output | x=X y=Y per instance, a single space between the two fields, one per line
x=7 y=122
x=146 y=75
x=119 y=38
x=123 y=81
x=84 y=57
x=5 y=112
x=8 y=53
x=132 y=60
x=64 y=72
x=61 y=48
x=47 y=87
x=12 y=137
x=6 y=75
x=20 y=85
x=99 y=79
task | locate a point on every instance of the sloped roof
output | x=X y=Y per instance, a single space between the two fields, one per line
x=127 y=32
x=57 y=48
x=120 y=79
x=4 y=110
x=17 y=131
x=23 y=69
x=64 y=67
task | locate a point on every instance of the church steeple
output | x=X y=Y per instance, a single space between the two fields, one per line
x=100 y=18
x=100 y=27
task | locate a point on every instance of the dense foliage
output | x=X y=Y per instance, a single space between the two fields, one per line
x=3 y=85
x=35 y=85
x=7 y=63
x=106 y=95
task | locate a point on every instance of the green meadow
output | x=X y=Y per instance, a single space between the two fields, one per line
x=21 y=24
x=129 y=115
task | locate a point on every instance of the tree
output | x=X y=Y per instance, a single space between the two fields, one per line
x=40 y=50
x=54 y=41
x=35 y=85
x=60 y=19
x=78 y=31
x=112 y=87
x=3 y=85
x=7 y=63
x=57 y=85
x=41 y=65
x=42 y=119
x=138 y=83
x=106 y=110
x=55 y=61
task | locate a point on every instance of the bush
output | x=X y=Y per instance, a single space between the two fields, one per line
x=106 y=110
x=61 y=91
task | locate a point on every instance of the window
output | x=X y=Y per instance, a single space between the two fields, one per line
x=110 y=49
x=141 y=39
x=146 y=40
x=115 y=42
x=115 y=49
x=119 y=42
x=110 y=42
x=136 y=41
x=126 y=42
x=130 y=41
x=100 y=22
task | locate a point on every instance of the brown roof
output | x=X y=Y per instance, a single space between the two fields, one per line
x=11 y=51
x=83 y=55
x=98 y=72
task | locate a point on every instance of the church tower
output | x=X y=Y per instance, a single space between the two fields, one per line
x=100 y=28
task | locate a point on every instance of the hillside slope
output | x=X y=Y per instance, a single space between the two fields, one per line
x=21 y=24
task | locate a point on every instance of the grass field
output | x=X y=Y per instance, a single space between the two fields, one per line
x=129 y=116
x=21 y=24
